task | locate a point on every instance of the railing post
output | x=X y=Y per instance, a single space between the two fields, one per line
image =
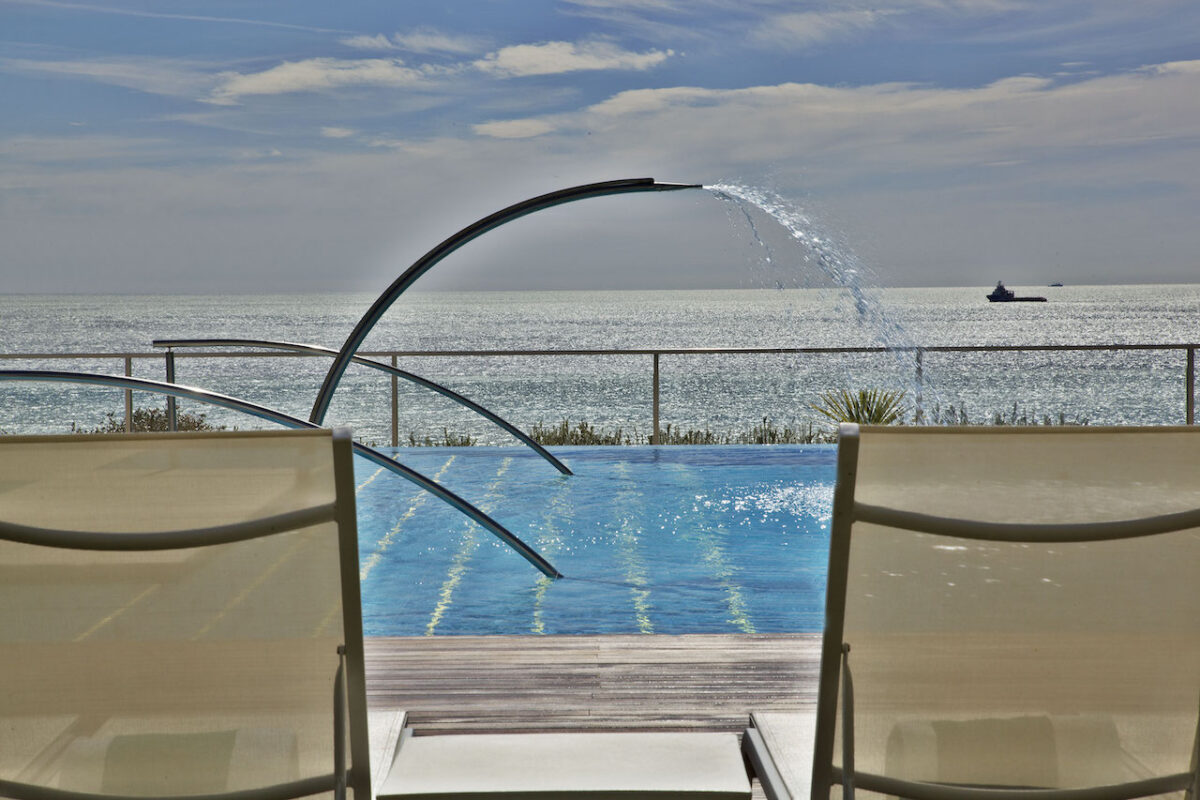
x=172 y=411
x=128 y=396
x=654 y=423
x=395 y=407
x=919 y=413
x=1190 y=382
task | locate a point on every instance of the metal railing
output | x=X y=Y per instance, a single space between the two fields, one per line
x=655 y=355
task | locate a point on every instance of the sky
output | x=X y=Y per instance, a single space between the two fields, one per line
x=239 y=146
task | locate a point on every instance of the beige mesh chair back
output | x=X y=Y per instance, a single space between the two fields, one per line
x=180 y=616
x=1012 y=613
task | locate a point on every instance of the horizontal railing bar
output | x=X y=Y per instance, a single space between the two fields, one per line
x=23 y=356
x=649 y=351
x=155 y=356
x=685 y=351
x=1188 y=350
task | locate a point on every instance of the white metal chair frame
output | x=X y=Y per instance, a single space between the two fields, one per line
x=835 y=654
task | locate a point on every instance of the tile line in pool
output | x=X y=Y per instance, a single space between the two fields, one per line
x=549 y=544
x=461 y=563
x=631 y=499
x=368 y=481
x=389 y=538
x=712 y=553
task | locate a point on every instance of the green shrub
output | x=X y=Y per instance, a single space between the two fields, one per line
x=152 y=419
x=448 y=440
x=581 y=434
x=1017 y=416
x=866 y=406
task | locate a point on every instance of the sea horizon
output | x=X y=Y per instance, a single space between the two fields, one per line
x=986 y=287
x=710 y=392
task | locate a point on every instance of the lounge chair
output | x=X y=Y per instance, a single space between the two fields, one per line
x=180 y=615
x=1011 y=613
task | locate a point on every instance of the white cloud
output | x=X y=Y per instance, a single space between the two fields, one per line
x=317 y=74
x=376 y=42
x=430 y=40
x=514 y=129
x=891 y=128
x=551 y=58
x=1175 y=68
x=807 y=28
x=337 y=133
x=170 y=78
x=420 y=40
x=642 y=100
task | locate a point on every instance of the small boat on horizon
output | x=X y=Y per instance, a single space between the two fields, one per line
x=1056 y=283
x=1002 y=295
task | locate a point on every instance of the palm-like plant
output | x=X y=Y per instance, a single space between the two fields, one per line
x=866 y=406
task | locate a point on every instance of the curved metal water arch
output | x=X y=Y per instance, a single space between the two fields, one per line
x=472 y=231
x=343 y=358
x=294 y=347
x=287 y=420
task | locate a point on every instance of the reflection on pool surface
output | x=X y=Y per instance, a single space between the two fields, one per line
x=708 y=539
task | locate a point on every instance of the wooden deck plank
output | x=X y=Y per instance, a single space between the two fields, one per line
x=619 y=682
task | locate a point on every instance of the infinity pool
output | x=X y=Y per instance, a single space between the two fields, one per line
x=711 y=539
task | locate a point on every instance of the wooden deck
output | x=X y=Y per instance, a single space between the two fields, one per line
x=621 y=682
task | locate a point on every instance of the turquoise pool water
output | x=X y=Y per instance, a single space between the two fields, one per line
x=712 y=539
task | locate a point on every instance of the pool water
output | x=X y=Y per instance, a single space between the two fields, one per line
x=708 y=539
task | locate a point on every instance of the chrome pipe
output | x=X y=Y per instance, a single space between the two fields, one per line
x=472 y=231
x=287 y=420
x=395 y=372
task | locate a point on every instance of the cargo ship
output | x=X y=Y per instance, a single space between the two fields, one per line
x=1002 y=295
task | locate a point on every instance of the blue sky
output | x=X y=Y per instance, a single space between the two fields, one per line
x=279 y=146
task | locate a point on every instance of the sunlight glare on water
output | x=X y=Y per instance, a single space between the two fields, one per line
x=651 y=540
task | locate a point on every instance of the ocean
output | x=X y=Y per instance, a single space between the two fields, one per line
x=720 y=393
